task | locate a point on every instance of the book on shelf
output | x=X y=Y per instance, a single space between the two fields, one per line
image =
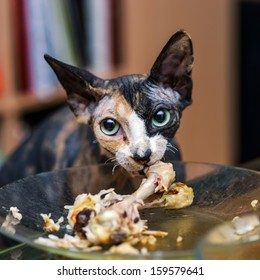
x=102 y=33
x=98 y=33
x=76 y=18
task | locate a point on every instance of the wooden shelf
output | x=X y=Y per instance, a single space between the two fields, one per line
x=11 y=110
x=29 y=102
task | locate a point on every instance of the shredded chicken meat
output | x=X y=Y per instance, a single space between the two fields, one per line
x=108 y=218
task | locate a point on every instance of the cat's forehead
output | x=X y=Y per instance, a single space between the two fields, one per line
x=140 y=93
x=127 y=86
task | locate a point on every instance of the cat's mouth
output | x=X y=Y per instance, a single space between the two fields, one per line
x=135 y=164
x=139 y=173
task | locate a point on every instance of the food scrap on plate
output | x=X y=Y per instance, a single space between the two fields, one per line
x=111 y=221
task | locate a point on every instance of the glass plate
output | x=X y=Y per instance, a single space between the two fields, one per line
x=221 y=193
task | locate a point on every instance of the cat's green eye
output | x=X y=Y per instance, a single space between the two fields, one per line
x=109 y=127
x=161 y=118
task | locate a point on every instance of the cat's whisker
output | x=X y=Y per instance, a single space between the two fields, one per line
x=171 y=150
x=111 y=159
x=171 y=146
x=114 y=167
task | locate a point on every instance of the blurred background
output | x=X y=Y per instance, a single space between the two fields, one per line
x=116 y=37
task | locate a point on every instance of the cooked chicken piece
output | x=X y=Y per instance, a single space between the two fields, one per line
x=111 y=219
x=116 y=223
x=49 y=224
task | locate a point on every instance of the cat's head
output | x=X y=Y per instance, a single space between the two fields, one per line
x=133 y=116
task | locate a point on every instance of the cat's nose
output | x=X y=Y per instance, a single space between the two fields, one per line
x=143 y=157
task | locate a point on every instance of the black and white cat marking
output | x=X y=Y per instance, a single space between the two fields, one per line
x=134 y=118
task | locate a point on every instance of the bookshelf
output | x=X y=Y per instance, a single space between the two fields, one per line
x=209 y=127
x=14 y=101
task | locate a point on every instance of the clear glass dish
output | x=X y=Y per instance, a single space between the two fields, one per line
x=221 y=193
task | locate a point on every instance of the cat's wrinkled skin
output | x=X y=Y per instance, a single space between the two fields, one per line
x=130 y=119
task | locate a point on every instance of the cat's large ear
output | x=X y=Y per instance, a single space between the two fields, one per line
x=83 y=89
x=173 y=67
